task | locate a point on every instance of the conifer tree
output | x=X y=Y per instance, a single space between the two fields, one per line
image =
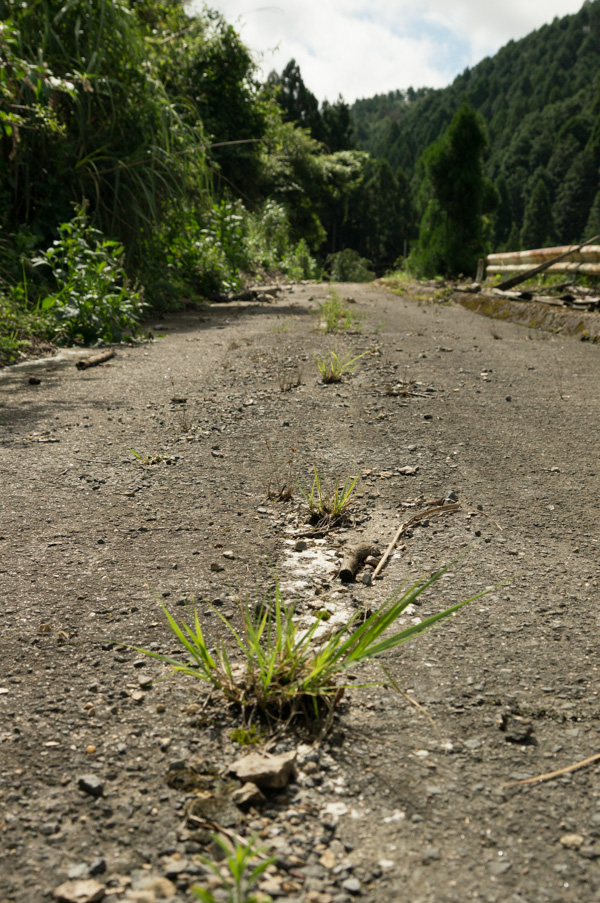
x=453 y=232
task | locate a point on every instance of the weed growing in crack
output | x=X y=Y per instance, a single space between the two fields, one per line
x=290 y=379
x=281 y=476
x=285 y=672
x=336 y=317
x=333 y=368
x=328 y=506
x=237 y=874
x=148 y=460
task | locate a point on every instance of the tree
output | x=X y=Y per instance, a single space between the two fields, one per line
x=454 y=230
x=299 y=105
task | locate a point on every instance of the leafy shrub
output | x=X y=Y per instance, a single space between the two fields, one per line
x=93 y=300
x=349 y=266
x=300 y=264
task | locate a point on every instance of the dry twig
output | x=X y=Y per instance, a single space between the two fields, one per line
x=422 y=515
x=556 y=774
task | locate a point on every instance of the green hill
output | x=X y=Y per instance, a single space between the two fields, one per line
x=540 y=99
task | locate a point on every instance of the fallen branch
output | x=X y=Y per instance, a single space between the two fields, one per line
x=96 y=359
x=422 y=515
x=556 y=774
x=353 y=559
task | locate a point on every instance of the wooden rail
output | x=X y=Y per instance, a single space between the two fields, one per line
x=577 y=259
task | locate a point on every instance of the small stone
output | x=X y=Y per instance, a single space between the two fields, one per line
x=301 y=545
x=327 y=860
x=572 y=841
x=76 y=872
x=91 y=783
x=272 y=772
x=87 y=891
x=216 y=567
x=247 y=796
x=271 y=885
x=589 y=852
x=516 y=728
x=352 y=885
x=409 y=471
x=34 y=381
x=427 y=416
x=508 y=398
x=98 y=866
x=172 y=868
x=367 y=577
x=430 y=854
x=500 y=868
x=229 y=554
x=162 y=888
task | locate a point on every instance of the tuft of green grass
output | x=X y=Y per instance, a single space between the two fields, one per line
x=241 y=869
x=333 y=368
x=246 y=736
x=284 y=671
x=149 y=460
x=336 y=317
x=328 y=505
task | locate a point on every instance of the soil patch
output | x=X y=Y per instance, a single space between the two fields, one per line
x=108 y=773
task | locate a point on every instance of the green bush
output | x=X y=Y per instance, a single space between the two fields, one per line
x=93 y=300
x=349 y=266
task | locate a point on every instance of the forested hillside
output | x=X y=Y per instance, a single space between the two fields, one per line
x=540 y=100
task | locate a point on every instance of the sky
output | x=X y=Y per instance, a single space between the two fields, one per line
x=358 y=48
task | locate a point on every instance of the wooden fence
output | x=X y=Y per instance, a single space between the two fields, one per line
x=577 y=259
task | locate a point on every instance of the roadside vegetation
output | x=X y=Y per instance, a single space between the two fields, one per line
x=144 y=165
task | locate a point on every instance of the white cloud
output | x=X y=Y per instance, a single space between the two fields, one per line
x=358 y=48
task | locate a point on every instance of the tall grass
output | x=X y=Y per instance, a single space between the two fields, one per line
x=92 y=107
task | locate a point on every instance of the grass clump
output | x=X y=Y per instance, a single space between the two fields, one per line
x=333 y=368
x=336 y=317
x=328 y=506
x=283 y=671
x=149 y=460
